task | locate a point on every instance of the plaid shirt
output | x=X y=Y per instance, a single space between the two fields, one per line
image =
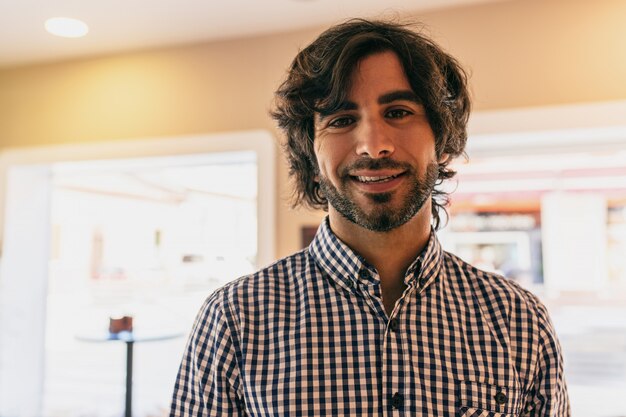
x=309 y=336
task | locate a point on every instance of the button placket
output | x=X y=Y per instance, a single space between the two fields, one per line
x=395 y=362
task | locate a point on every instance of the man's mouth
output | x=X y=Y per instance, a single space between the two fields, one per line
x=376 y=179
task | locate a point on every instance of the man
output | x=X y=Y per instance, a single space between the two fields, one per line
x=373 y=318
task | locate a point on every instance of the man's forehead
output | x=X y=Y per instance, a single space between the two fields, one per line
x=371 y=68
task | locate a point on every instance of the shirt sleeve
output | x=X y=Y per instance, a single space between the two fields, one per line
x=208 y=381
x=548 y=396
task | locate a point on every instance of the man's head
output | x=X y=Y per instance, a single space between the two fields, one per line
x=321 y=77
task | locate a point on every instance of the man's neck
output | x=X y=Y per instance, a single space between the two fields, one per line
x=391 y=253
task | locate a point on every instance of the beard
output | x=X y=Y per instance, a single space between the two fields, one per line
x=381 y=217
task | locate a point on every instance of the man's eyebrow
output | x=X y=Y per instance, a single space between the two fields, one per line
x=344 y=105
x=399 y=95
x=407 y=95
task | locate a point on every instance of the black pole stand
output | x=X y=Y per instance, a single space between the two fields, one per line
x=129 y=379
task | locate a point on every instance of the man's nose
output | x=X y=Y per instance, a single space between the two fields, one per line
x=374 y=139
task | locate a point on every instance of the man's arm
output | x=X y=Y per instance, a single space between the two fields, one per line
x=208 y=377
x=548 y=396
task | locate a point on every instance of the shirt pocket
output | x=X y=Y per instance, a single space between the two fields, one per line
x=479 y=399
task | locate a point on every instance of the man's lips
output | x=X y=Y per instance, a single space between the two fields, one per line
x=374 y=182
x=376 y=175
x=371 y=177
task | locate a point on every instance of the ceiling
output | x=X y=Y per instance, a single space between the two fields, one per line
x=122 y=25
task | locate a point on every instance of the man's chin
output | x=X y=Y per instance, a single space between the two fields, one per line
x=380 y=198
x=381 y=219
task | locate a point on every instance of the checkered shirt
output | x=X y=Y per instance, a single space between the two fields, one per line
x=309 y=336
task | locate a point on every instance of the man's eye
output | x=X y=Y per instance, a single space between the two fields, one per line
x=397 y=113
x=341 y=122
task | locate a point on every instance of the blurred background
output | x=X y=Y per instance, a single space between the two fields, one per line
x=139 y=171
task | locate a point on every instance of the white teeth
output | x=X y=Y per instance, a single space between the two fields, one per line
x=376 y=179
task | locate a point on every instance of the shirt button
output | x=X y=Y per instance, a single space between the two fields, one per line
x=394 y=324
x=501 y=398
x=397 y=401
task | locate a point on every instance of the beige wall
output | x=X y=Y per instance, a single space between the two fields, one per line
x=520 y=53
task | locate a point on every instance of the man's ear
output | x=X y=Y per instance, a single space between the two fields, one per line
x=444 y=158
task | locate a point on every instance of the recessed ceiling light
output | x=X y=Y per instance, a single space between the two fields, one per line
x=66 y=27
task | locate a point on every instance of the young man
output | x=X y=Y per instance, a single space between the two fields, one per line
x=373 y=318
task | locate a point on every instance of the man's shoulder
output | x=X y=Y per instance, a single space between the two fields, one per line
x=489 y=288
x=276 y=279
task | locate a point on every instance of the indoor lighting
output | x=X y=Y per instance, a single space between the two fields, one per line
x=66 y=27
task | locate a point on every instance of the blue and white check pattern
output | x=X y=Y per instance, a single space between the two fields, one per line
x=309 y=336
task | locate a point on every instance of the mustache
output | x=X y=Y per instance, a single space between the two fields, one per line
x=376 y=164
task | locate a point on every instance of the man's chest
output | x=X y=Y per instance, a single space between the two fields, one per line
x=432 y=357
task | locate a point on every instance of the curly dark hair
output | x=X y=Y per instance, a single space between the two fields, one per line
x=319 y=79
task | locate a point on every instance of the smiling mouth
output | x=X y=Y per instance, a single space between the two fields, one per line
x=376 y=179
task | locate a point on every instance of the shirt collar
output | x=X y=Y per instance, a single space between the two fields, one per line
x=345 y=267
x=334 y=257
x=425 y=269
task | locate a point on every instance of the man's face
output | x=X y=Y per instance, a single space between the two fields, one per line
x=376 y=155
